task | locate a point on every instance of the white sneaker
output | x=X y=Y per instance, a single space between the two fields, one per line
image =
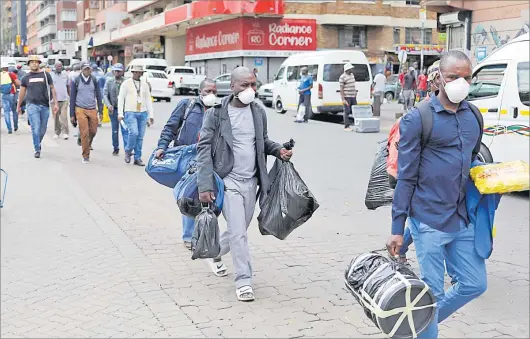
x=65 y=136
x=85 y=161
x=56 y=136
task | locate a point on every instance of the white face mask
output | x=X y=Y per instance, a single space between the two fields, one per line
x=246 y=96
x=209 y=100
x=456 y=90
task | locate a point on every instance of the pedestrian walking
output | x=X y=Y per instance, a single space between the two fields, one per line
x=183 y=128
x=348 y=94
x=60 y=81
x=422 y=84
x=35 y=89
x=8 y=88
x=85 y=106
x=431 y=192
x=135 y=108
x=304 y=93
x=110 y=97
x=409 y=89
x=234 y=143
x=20 y=72
x=379 y=85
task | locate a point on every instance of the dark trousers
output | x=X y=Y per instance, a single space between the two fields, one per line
x=352 y=101
x=116 y=126
x=305 y=99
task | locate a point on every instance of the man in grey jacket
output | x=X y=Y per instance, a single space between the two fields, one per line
x=110 y=98
x=234 y=143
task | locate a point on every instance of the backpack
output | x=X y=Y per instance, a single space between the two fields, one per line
x=7 y=83
x=187 y=111
x=427 y=117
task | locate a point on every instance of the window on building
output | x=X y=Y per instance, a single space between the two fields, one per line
x=94 y=4
x=397 y=36
x=68 y=15
x=103 y=4
x=413 y=2
x=103 y=26
x=523 y=82
x=457 y=37
x=487 y=81
x=352 y=37
x=413 y=36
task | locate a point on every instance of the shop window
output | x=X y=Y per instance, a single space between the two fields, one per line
x=397 y=36
x=279 y=75
x=352 y=37
x=413 y=36
x=332 y=72
x=523 y=82
x=487 y=81
x=457 y=37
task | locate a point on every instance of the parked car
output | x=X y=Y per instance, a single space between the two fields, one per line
x=184 y=79
x=265 y=94
x=392 y=87
x=222 y=83
x=161 y=86
x=148 y=64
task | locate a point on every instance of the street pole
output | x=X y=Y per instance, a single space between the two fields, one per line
x=422 y=44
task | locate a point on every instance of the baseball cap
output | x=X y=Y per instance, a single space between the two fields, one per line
x=118 y=67
x=85 y=65
x=411 y=68
x=347 y=66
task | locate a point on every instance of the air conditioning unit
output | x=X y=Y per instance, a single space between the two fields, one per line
x=452 y=18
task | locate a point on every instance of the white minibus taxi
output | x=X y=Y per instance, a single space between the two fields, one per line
x=326 y=67
x=501 y=90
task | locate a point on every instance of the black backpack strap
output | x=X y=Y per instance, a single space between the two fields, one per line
x=480 y=120
x=183 y=119
x=427 y=118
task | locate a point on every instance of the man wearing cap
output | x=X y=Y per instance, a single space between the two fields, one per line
x=135 y=108
x=8 y=90
x=348 y=94
x=110 y=97
x=85 y=104
x=304 y=92
x=35 y=88
x=60 y=80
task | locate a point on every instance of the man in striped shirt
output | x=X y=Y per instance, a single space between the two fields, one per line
x=348 y=94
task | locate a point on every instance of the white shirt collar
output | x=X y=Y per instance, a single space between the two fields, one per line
x=85 y=78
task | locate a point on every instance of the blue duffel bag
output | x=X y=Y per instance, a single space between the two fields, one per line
x=186 y=193
x=174 y=164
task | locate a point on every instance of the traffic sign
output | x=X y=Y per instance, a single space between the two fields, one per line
x=402 y=56
x=109 y=58
x=423 y=14
x=18 y=40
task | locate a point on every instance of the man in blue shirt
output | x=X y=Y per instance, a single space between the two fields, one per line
x=430 y=191
x=304 y=90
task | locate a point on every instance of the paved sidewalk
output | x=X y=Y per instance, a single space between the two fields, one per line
x=95 y=251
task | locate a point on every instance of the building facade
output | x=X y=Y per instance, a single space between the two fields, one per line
x=479 y=27
x=14 y=26
x=215 y=36
x=33 y=25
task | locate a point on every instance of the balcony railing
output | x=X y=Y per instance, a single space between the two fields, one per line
x=47 y=30
x=90 y=13
x=46 y=12
x=44 y=48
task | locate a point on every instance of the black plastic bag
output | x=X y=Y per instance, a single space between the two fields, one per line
x=379 y=192
x=205 y=239
x=289 y=202
x=382 y=280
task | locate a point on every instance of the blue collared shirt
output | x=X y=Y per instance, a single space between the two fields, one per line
x=432 y=181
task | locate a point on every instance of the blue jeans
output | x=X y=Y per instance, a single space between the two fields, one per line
x=8 y=102
x=187 y=227
x=467 y=268
x=136 y=124
x=38 y=118
x=116 y=126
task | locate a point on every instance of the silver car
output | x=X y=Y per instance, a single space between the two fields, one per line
x=223 y=84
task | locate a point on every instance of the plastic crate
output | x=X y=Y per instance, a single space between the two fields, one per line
x=367 y=125
x=362 y=111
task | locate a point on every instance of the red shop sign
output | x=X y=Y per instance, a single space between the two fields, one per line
x=253 y=34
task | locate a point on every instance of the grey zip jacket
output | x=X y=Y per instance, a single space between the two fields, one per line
x=215 y=147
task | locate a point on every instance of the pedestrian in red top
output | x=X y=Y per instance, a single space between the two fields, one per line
x=9 y=82
x=422 y=84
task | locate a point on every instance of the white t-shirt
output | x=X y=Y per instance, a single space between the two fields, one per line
x=244 y=136
x=379 y=81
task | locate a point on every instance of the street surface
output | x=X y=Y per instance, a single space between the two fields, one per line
x=95 y=250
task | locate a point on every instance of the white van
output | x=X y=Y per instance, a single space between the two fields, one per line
x=66 y=61
x=326 y=68
x=501 y=90
x=153 y=64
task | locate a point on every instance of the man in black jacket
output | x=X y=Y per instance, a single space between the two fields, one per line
x=182 y=128
x=234 y=143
